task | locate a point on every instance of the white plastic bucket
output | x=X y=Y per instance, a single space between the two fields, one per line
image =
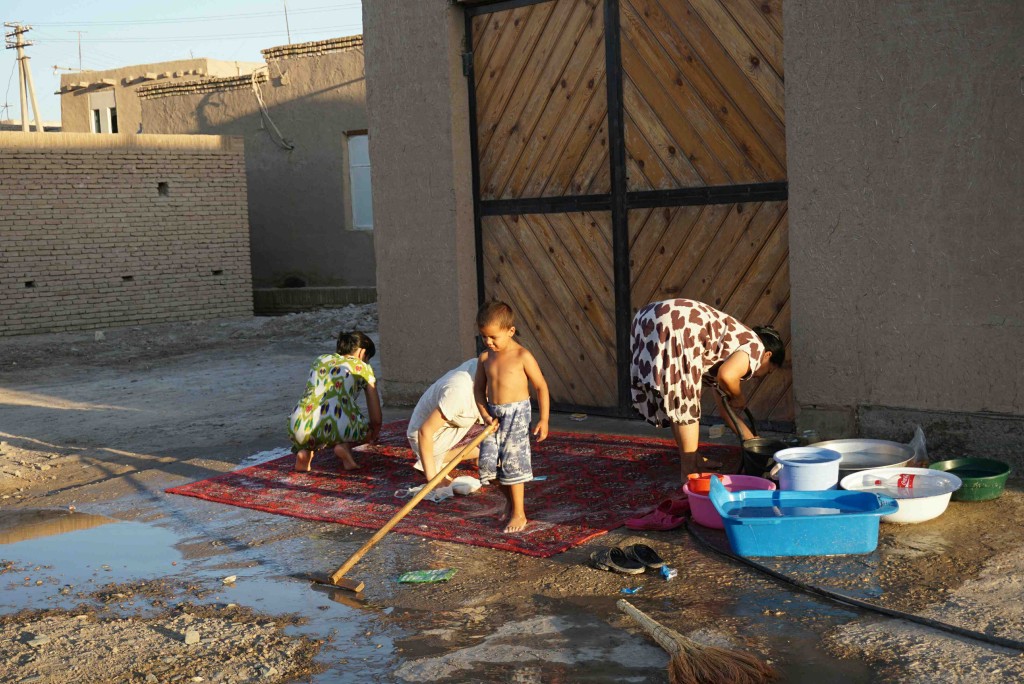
x=807 y=469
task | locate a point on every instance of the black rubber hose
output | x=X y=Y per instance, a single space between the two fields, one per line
x=857 y=603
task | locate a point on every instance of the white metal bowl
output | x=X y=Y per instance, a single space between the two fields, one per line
x=927 y=499
x=862 y=454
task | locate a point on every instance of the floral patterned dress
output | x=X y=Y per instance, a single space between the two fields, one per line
x=674 y=343
x=328 y=413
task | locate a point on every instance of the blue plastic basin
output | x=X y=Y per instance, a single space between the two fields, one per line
x=788 y=523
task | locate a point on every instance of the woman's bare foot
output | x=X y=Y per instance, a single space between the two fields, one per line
x=345 y=456
x=517 y=523
x=303 y=460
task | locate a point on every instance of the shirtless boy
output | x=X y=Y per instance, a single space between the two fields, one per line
x=502 y=391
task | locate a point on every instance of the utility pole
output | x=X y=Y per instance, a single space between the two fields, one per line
x=286 y=27
x=24 y=74
x=79 y=47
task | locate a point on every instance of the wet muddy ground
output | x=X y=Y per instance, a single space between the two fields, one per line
x=103 y=577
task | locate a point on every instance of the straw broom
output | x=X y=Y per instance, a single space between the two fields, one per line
x=693 y=663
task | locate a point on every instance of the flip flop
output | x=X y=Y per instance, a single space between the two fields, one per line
x=676 y=507
x=642 y=553
x=656 y=520
x=615 y=560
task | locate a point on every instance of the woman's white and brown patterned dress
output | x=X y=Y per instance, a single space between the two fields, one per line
x=674 y=343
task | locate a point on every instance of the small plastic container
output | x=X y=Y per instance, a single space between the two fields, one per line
x=700 y=482
x=807 y=469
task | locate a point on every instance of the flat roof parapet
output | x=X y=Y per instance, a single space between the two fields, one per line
x=318 y=47
x=206 y=85
x=86 y=142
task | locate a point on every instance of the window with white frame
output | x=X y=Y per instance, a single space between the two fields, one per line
x=103 y=111
x=359 y=181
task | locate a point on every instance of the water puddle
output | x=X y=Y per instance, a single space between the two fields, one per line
x=74 y=553
x=796 y=645
x=60 y=559
x=16 y=526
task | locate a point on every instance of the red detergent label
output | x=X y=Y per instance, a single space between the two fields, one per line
x=905 y=480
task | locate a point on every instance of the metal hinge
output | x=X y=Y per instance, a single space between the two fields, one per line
x=467 y=64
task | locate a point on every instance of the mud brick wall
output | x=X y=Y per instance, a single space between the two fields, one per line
x=109 y=230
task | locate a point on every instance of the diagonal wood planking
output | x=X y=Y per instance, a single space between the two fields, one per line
x=555 y=271
x=542 y=108
x=699 y=89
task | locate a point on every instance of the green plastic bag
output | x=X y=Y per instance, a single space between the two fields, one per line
x=426 y=576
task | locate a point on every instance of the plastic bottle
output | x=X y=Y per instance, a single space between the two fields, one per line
x=900 y=480
x=668 y=573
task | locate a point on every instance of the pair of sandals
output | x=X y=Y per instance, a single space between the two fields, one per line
x=669 y=515
x=628 y=560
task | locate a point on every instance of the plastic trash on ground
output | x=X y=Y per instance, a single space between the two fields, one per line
x=438 y=495
x=427 y=576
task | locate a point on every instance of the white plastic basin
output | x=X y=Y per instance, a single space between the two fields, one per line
x=927 y=499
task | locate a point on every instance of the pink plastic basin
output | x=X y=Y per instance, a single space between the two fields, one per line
x=703 y=511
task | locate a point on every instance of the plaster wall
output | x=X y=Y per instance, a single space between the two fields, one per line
x=74 y=104
x=299 y=205
x=422 y=190
x=905 y=130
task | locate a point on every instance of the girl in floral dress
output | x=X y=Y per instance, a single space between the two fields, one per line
x=327 y=414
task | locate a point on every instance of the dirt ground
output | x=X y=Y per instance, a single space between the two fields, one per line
x=103 y=577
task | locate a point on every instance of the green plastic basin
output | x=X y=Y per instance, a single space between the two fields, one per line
x=983 y=478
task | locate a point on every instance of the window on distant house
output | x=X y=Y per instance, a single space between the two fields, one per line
x=103 y=111
x=359 y=181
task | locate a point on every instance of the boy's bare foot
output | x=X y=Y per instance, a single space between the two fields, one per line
x=347 y=462
x=303 y=460
x=517 y=523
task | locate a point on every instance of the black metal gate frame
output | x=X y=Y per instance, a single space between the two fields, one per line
x=619 y=201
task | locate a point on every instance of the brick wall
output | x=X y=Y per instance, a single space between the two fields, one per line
x=108 y=230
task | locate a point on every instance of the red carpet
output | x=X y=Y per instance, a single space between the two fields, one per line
x=595 y=482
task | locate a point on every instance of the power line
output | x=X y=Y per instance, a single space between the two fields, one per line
x=7 y=105
x=253 y=15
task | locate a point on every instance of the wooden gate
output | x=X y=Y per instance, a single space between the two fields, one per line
x=627 y=151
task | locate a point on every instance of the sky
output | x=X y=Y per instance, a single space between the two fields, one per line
x=117 y=33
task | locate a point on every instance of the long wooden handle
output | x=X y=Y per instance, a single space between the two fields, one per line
x=397 y=517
